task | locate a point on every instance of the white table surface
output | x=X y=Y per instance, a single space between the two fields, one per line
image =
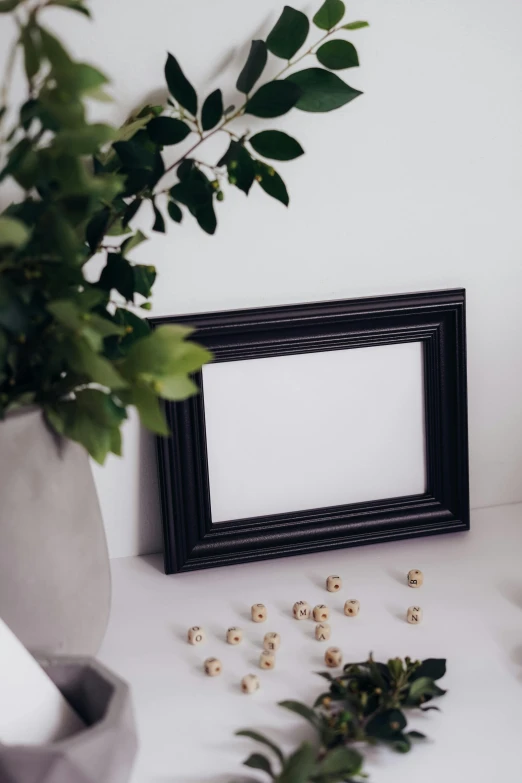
x=472 y=601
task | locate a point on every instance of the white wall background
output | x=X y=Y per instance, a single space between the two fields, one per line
x=416 y=185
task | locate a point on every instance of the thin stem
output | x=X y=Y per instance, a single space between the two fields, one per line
x=291 y=63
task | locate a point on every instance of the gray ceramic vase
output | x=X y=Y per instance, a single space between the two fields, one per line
x=54 y=566
x=103 y=753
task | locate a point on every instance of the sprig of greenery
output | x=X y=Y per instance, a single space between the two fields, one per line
x=82 y=350
x=365 y=704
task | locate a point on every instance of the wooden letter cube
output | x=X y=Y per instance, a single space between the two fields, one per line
x=414 y=615
x=321 y=613
x=212 y=667
x=250 y=683
x=234 y=635
x=271 y=641
x=259 y=613
x=267 y=660
x=415 y=578
x=196 y=635
x=301 y=610
x=333 y=657
x=351 y=607
x=322 y=632
x=334 y=584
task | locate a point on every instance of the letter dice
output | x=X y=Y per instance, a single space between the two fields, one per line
x=415 y=578
x=196 y=635
x=414 y=615
x=250 y=683
x=322 y=632
x=267 y=660
x=212 y=667
x=333 y=657
x=301 y=610
x=351 y=607
x=321 y=613
x=234 y=636
x=271 y=641
x=259 y=613
x=334 y=584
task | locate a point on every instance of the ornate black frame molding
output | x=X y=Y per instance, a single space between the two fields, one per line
x=437 y=319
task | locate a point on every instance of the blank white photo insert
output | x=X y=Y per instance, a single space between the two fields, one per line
x=305 y=431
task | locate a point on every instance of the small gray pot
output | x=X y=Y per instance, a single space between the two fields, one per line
x=103 y=753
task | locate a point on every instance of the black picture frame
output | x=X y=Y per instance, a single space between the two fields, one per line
x=435 y=318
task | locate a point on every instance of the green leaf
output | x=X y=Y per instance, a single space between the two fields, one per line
x=93 y=419
x=258 y=761
x=301 y=709
x=96 y=228
x=12 y=312
x=165 y=352
x=240 y=166
x=134 y=329
x=31 y=47
x=253 y=67
x=298 y=767
x=179 y=86
x=134 y=155
x=273 y=99
x=330 y=13
x=159 y=222
x=321 y=90
x=8 y=5
x=355 y=25
x=84 y=78
x=263 y=740
x=167 y=130
x=396 y=668
x=402 y=744
x=55 y=52
x=103 y=326
x=99 y=370
x=212 y=110
x=435 y=668
x=144 y=277
x=82 y=141
x=422 y=687
x=386 y=725
x=149 y=409
x=416 y=735
x=131 y=127
x=28 y=112
x=339 y=761
x=129 y=244
x=13 y=233
x=337 y=55
x=288 y=34
x=276 y=145
x=175 y=212
x=271 y=182
x=118 y=274
x=206 y=217
x=176 y=387
x=131 y=211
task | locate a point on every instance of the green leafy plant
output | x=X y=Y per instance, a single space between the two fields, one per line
x=365 y=704
x=81 y=349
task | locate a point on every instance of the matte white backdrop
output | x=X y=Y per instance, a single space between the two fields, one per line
x=288 y=433
x=414 y=186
